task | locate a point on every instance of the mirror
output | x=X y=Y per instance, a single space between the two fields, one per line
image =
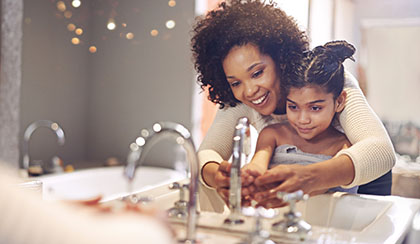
x=101 y=83
x=141 y=71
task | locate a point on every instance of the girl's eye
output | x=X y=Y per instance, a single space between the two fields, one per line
x=257 y=73
x=315 y=108
x=292 y=107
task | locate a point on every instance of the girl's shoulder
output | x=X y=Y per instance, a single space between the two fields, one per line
x=278 y=127
x=282 y=132
x=339 y=142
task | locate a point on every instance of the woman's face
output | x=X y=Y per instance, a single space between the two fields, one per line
x=310 y=110
x=252 y=78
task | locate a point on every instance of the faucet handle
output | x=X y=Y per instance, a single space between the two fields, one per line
x=293 y=196
x=174 y=186
x=180 y=207
x=292 y=222
x=181 y=188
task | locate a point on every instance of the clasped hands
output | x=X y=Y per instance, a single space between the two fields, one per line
x=262 y=185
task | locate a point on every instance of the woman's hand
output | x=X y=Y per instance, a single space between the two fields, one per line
x=218 y=176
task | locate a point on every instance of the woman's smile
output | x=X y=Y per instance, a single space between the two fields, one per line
x=260 y=100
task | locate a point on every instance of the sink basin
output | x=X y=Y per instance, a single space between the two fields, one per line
x=108 y=182
x=343 y=211
x=335 y=218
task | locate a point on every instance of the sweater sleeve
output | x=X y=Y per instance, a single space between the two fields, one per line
x=372 y=152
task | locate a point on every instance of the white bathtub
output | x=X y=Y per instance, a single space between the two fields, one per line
x=108 y=182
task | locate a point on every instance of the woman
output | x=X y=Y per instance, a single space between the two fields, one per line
x=245 y=52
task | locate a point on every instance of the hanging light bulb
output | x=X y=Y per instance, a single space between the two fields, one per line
x=111 y=24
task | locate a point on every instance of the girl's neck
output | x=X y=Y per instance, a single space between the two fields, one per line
x=320 y=144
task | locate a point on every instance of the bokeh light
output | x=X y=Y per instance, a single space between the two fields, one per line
x=78 y=31
x=129 y=35
x=111 y=24
x=76 y=3
x=68 y=14
x=172 y=3
x=154 y=32
x=75 y=41
x=71 y=27
x=170 y=24
x=61 y=6
x=92 y=49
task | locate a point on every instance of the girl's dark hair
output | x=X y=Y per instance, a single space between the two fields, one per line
x=323 y=66
x=237 y=23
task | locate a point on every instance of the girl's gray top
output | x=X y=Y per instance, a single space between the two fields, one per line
x=289 y=154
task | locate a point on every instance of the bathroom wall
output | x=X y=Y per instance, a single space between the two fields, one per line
x=103 y=99
x=387 y=32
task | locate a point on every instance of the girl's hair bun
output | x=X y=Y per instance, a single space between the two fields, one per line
x=342 y=50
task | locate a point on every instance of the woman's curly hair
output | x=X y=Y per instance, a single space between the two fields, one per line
x=237 y=23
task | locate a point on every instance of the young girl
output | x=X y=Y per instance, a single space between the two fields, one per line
x=308 y=136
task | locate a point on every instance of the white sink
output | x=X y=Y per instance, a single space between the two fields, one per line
x=335 y=218
x=343 y=211
x=107 y=182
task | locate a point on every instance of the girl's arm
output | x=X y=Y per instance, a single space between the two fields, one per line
x=371 y=153
x=217 y=144
x=266 y=144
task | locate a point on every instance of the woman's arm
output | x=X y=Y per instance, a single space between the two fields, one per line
x=371 y=153
x=312 y=179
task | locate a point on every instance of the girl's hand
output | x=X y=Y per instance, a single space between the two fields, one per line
x=284 y=178
x=249 y=173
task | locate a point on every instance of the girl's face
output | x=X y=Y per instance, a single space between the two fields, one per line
x=311 y=109
x=252 y=78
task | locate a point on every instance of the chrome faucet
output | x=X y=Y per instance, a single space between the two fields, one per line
x=183 y=137
x=31 y=128
x=241 y=148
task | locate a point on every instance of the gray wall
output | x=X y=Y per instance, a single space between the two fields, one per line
x=102 y=100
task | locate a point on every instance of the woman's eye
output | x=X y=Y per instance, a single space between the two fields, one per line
x=234 y=84
x=315 y=108
x=292 y=107
x=257 y=73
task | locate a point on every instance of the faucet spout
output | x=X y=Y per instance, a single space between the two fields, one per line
x=240 y=151
x=28 y=133
x=182 y=137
